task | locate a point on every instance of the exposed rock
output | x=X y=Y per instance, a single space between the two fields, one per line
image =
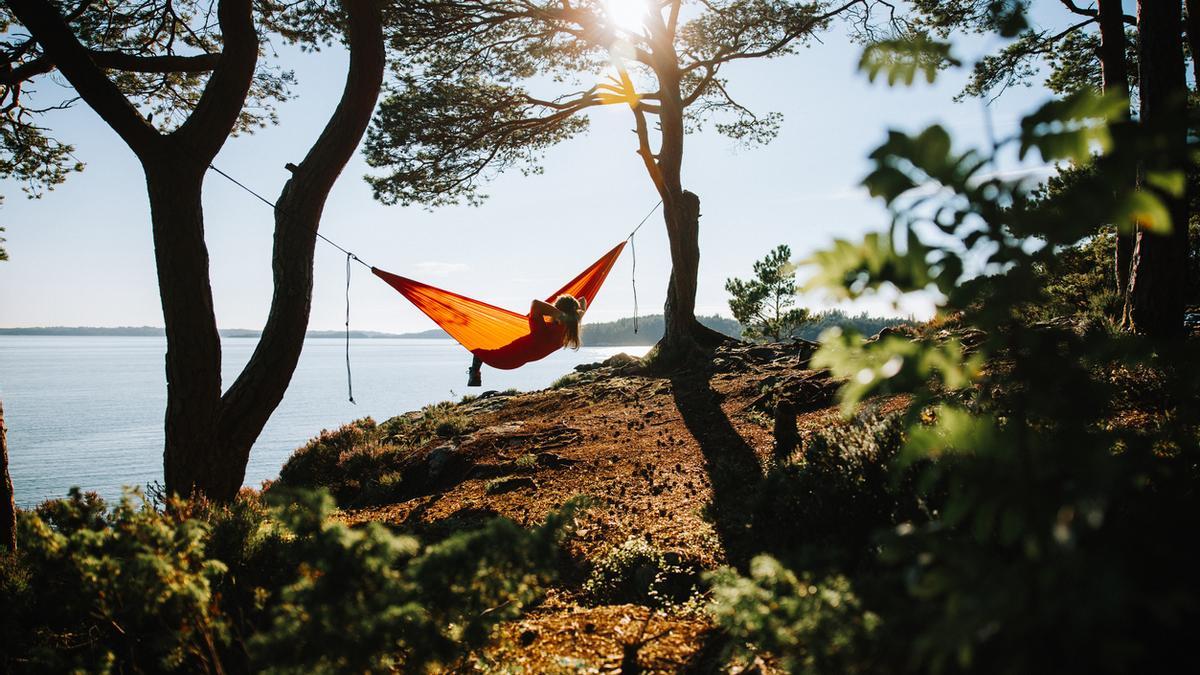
x=513 y=484
x=553 y=461
x=438 y=458
x=899 y=331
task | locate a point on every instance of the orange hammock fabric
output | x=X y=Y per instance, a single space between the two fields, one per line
x=501 y=338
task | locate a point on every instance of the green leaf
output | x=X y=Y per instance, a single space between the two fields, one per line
x=1146 y=210
x=901 y=59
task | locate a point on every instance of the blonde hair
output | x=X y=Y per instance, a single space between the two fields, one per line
x=573 y=310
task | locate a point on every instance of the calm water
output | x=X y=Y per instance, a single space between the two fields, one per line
x=88 y=411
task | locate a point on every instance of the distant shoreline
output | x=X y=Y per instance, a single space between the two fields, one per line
x=628 y=332
x=151 y=331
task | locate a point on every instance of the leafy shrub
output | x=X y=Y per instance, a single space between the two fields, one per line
x=316 y=463
x=126 y=589
x=387 y=604
x=823 y=506
x=810 y=625
x=136 y=589
x=364 y=462
x=638 y=572
x=1058 y=533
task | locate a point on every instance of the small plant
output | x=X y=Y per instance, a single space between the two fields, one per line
x=526 y=461
x=637 y=572
x=567 y=380
x=104 y=584
x=824 y=505
x=355 y=461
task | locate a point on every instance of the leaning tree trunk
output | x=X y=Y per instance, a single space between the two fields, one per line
x=8 y=509
x=1115 y=80
x=1158 y=280
x=261 y=386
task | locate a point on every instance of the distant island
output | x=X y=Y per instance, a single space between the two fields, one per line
x=643 y=331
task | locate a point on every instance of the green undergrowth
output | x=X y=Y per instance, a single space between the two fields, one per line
x=638 y=572
x=364 y=462
x=275 y=586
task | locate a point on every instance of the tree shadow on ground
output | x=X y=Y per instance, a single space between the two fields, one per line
x=733 y=468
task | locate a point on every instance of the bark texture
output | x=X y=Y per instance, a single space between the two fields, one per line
x=8 y=509
x=1158 y=280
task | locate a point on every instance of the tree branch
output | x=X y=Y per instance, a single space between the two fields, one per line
x=643 y=134
x=168 y=63
x=1082 y=11
x=207 y=128
x=74 y=61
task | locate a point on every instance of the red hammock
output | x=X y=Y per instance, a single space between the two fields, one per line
x=501 y=338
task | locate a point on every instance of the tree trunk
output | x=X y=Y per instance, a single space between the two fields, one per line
x=1115 y=80
x=684 y=336
x=1158 y=279
x=8 y=509
x=191 y=456
x=1193 y=35
x=261 y=385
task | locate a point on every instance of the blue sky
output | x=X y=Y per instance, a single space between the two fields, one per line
x=82 y=254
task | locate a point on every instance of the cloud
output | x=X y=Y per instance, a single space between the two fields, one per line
x=856 y=193
x=439 y=269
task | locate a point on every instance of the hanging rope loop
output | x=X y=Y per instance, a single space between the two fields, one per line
x=349 y=379
x=633 y=255
x=633 y=279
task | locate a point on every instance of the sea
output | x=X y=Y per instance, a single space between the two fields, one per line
x=88 y=411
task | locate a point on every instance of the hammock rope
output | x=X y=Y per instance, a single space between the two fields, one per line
x=633 y=257
x=524 y=345
x=349 y=378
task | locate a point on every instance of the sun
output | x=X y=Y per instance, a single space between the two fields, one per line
x=627 y=15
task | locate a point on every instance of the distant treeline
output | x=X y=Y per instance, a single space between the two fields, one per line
x=607 y=334
x=863 y=323
x=650 y=328
x=152 y=331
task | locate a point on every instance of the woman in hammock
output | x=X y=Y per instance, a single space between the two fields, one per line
x=558 y=322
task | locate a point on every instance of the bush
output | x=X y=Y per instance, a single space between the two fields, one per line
x=823 y=506
x=126 y=589
x=810 y=625
x=364 y=462
x=1060 y=507
x=637 y=572
x=137 y=589
x=387 y=604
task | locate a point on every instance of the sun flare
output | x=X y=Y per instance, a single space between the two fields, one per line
x=627 y=15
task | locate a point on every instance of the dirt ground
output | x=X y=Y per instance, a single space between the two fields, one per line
x=672 y=459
